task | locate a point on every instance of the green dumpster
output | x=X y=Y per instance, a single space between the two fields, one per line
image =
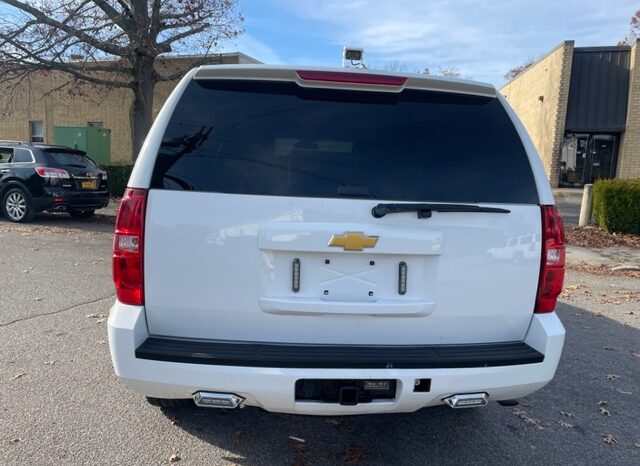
x=96 y=142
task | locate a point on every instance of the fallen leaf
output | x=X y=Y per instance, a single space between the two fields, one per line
x=99 y=321
x=298 y=448
x=38 y=299
x=604 y=411
x=353 y=454
x=532 y=421
x=18 y=375
x=612 y=377
x=174 y=458
x=565 y=424
x=15 y=440
x=340 y=424
x=609 y=439
x=564 y=413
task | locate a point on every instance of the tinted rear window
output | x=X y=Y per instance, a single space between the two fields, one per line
x=70 y=159
x=267 y=138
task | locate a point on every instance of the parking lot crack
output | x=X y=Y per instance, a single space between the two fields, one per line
x=58 y=311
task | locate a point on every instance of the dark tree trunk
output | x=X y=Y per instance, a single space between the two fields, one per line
x=141 y=111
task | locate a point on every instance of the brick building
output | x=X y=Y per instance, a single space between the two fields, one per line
x=30 y=110
x=581 y=106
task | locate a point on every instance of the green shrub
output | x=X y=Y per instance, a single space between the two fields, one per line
x=118 y=176
x=616 y=205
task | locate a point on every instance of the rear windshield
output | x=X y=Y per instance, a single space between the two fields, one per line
x=70 y=159
x=279 y=139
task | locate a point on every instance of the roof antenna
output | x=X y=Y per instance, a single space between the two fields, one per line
x=353 y=55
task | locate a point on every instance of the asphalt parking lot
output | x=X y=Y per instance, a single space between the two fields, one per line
x=61 y=404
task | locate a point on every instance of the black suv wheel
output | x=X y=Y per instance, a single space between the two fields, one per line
x=17 y=206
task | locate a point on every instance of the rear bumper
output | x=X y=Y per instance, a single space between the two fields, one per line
x=61 y=200
x=272 y=388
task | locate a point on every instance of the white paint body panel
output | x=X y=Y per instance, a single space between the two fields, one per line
x=272 y=388
x=218 y=266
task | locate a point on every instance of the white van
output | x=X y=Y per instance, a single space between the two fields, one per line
x=335 y=241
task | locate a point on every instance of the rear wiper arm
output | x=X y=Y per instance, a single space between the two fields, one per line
x=424 y=210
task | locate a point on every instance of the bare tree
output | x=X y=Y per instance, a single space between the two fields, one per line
x=395 y=65
x=450 y=72
x=516 y=70
x=634 y=30
x=113 y=43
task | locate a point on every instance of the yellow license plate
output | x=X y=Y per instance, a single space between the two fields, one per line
x=88 y=184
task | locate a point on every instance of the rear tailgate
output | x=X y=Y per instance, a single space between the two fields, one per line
x=225 y=264
x=260 y=184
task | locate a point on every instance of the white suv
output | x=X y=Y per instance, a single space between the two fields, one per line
x=331 y=242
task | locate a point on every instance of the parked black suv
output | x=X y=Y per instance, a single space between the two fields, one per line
x=37 y=177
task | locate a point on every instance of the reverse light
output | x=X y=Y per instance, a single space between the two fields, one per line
x=127 y=263
x=295 y=275
x=50 y=172
x=552 y=260
x=402 y=278
x=352 y=78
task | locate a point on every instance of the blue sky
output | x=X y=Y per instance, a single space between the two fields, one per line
x=482 y=38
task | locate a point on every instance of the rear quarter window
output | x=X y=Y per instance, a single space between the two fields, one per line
x=279 y=139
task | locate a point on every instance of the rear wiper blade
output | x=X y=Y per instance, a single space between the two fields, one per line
x=424 y=210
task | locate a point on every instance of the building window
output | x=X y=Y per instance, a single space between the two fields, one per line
x=95 y=124
x=36 y=131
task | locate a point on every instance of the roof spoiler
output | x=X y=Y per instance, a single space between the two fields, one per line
x=346 y=78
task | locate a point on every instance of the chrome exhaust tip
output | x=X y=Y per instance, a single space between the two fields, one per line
x=467 y=400
x=217 y=400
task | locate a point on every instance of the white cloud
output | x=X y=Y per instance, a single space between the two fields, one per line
x=251 y=46
x=482 y=38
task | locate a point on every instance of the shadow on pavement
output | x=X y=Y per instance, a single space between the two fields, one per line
x=44 y=220
x=561 y=423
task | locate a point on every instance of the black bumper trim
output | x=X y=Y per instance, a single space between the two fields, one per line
x=318 y=356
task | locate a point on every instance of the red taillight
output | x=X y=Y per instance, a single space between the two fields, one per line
x=49 y=172
x=127 y=247
x=355 y=78
x=552 y=261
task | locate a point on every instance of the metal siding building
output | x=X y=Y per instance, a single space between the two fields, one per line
x=599 y=89
x=586 y=100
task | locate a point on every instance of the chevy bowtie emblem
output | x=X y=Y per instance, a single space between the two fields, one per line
x=353 y=241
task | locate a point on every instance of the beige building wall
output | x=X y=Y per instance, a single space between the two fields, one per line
x=539 y=96
x=629 y=152
x=36 y=99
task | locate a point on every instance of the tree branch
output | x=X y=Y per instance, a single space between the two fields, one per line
x=64 y=26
